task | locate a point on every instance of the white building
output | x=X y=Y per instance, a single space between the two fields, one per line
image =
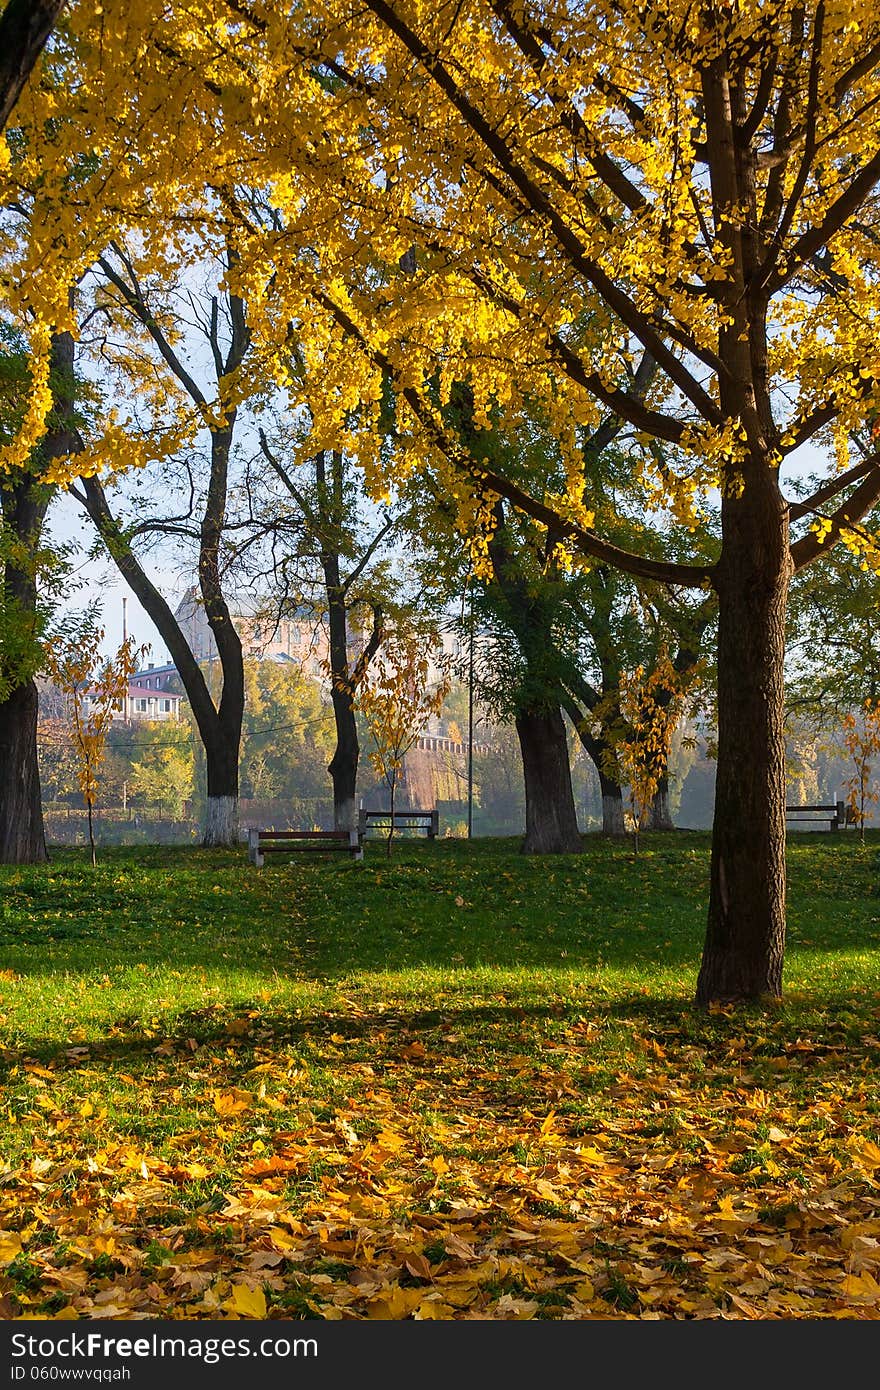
x=141 y=704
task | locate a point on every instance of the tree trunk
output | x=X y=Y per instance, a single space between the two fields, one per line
x=25 y=26
x=660 y=813
x=745 y=936
x=393 y=786
x=612 y=805
x=221 y=813
x=551 y=819
x=22 y=840
x=343 y=767
x=91 y=834
x=23 y=503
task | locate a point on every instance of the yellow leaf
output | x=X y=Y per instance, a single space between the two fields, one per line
x=869 y=1154
x=10 y=1246
x=280 y=1238
x=387 y=1139
x=592 y=1155
x=863 y=1287
x=394 y=1304
x=248 y=1303
x=232 y=1102
x=432 y=1310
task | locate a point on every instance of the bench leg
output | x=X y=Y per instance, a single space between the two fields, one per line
x=254 y=846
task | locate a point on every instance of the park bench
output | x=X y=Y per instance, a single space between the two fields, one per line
x=262 y=842
x=429 y=821
x=834 y=812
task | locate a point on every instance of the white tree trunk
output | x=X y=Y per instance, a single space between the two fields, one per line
x=346 y=814
x=612 y=815
x=221 y=822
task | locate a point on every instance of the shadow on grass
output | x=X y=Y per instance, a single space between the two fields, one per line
x=450 y=905
x=475 y=1033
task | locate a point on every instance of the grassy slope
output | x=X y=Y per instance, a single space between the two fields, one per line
x=462 y=1083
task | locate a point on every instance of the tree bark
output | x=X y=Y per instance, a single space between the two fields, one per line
x=223 y=748
x=343 y=767
x=660 y=813
x=22 y=838
x=745 y=937
x=25 y=25
x=612 y=804
x=23 y=501
x=551 y=818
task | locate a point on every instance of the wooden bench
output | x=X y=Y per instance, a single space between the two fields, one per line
x=429 y=821
x=835 y=813
x=262 y=842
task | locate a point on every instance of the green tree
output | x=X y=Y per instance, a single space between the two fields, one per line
x=162 y=766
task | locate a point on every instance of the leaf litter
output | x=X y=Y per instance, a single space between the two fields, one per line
x=477 y=1161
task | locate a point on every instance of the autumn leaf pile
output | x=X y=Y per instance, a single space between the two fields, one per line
x=542 y=1145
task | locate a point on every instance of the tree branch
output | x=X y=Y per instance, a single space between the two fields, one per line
x=849 y=514
x=539 y=203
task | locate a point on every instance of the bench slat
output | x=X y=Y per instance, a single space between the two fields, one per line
x=330 y=847
x=266 y=835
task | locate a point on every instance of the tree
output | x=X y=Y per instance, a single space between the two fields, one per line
x=648 y=705
x=861 y=736
x=397 y=698
x=834 y=635
x=322 y=518
x=126 y=297
x=29 y=576
x=95 y=689
x=287 y=736
x=705 y=179
x=25 y=25
x=162 y=767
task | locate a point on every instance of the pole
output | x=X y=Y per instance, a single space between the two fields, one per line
x=126 y=702
x=470 y=793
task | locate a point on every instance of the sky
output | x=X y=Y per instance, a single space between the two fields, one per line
x=99 y=582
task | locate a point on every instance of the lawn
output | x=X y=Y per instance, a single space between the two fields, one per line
x=459 y=1084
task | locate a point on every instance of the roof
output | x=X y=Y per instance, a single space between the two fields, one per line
x=142 y=692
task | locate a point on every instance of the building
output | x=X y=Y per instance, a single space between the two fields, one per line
x=164 y=678
x=300 y=637
x=141 y=704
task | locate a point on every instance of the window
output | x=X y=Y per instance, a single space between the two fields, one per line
x=142 y=706
x=166 y=706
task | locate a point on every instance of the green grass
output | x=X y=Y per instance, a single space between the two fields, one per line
x=177 y=1010
x=153 y=933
